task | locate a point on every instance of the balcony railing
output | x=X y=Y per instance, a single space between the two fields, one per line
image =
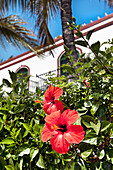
x=41 y=79
x=33 y=84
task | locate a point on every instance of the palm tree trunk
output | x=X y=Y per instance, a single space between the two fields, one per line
x=68 y=35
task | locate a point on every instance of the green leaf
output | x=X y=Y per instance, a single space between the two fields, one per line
x=102 y=110
x=25 y=134
x=77 y=166
x=95 y=47
x=103 y=53
x=1 y=126
x=82 y=111
x=21 y=164
x=87 y=104
x=107 y=166
x=85 y=154
x=40 y=162
x=26 y=79
x=68 y=68
x=81 y=42
x=19 y=108
x=16 y=88
x=86 y=124
x=96 y=127
x=79 y=34
x=13 y=76
x=25 y=152
x=109 y=152
x=102 y=154
x=6 y=82
x=17 y=133
x=105 y=125
x=26 y=126
x=2 y=162
x=36 y=128
x=31 y=123
x=4 y=117
x=38 y=91
x=9 y=167
x=89 y=34
x=4 y=110
x=91 y=141
x=90 y=138
x=7 y=141
x=94 y=108
x=33 y=153
x=109 y=56
x=87 y=118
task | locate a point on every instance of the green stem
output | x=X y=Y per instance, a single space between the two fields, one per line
x=65 y=105
x=78 y=153
x=97 y=56
x=30 y=166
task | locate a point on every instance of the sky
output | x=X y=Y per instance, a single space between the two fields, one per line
x=83 y=10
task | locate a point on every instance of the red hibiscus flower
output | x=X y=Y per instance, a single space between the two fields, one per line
x=50 y=101
x=59 y=127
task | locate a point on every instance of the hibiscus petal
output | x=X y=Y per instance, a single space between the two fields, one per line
x=48 y=94
x=70 y=116
x=53 y=93
x=74 y=134
x=57 y=92
x=49 y=107
x=59 y=144
x=47 y=133
x=59 y=105
x=53 y=118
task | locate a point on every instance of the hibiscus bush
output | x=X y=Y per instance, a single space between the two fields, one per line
x=90 y=92
x=70 y=126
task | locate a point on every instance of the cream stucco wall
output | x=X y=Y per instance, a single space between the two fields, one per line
x=46 y=62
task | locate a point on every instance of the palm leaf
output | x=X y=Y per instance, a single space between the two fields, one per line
x=6 y=5
x=110 y=3
x=43 y=10
x=12 y=31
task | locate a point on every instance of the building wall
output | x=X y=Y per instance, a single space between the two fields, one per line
x=38 y=65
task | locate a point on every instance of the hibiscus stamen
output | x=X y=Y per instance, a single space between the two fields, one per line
x=54 y=127
x=62 y=128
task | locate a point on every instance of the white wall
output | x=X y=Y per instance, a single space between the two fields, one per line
x=37 y=64
x=46 y=62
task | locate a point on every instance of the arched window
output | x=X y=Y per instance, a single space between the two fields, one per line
x=64 y=60
x=23 y=71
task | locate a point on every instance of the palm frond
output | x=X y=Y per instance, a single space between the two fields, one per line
x=6 y=5
x=43 y=10
x=12 y=31
x=110 y=3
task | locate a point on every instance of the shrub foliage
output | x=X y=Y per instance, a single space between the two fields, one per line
x=87 y=88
